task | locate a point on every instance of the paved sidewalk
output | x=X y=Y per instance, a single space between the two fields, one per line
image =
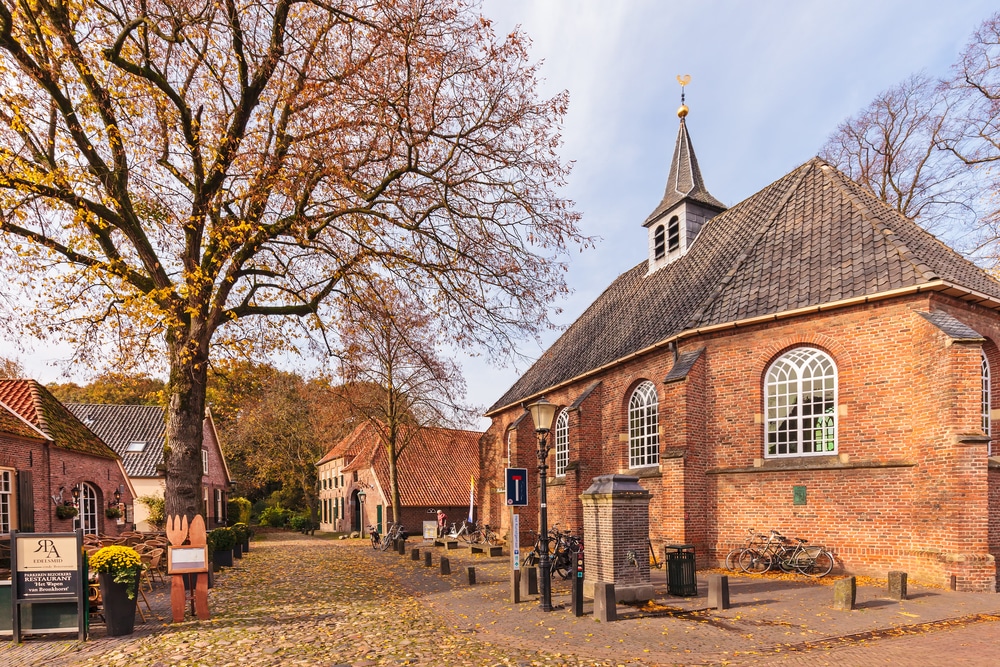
x=297 y=600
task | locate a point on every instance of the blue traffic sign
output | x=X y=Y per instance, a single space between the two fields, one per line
x=517 y=487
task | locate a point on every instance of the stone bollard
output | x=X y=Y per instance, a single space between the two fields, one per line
x=897 y=585
x=414 y=554
x=845 y=592
x=472 y=575
x=718 y=591
x=529 y=581
x=515 y=586
x=445 y=566
x=427 y=559
x=604 y=602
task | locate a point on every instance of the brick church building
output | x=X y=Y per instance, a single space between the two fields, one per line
x=808 y=360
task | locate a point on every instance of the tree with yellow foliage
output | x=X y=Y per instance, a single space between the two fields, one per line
x=180 y=177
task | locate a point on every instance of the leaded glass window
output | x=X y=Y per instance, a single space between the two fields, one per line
x=643 y=427
x=562 y=443
x=986 y=401
x=801 y=400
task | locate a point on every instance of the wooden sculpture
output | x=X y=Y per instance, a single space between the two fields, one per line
x=178 y=533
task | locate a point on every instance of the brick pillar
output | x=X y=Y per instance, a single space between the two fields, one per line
x=615 y=537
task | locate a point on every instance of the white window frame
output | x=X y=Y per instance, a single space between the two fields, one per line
x=798 y=380
x=987 y=401
x=643 y=427
x=204 y=461
x=88 y=505
x=8 y=500
x=561 y=437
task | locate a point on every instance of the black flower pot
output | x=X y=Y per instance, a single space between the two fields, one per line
x=119 y=610
x=238 y=550
x=223 y=558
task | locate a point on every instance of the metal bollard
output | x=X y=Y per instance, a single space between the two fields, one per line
x=718 y=591
x=414 y=554
x=445 y=566
x=472 y=575
x=427 y=559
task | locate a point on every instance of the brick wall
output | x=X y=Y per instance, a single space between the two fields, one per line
x=909 y=489
x=52 y=468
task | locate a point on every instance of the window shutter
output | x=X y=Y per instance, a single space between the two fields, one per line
x=25 y=502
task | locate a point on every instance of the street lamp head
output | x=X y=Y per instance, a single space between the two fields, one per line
x=361 y=495
x=542 y=413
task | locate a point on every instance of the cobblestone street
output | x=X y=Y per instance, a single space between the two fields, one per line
x=296 y=600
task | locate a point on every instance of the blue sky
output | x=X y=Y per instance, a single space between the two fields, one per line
x=770 y=81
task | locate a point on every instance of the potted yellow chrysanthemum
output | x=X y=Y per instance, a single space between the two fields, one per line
x=118 y=569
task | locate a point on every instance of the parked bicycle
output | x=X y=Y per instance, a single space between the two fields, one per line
x=812 y=561
x=754 y=539
x=375 y=537
x=484 y=534
x=393 y=532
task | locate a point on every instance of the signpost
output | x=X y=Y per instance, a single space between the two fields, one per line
x=517 y=487
x=517 y=496
x=49 y=587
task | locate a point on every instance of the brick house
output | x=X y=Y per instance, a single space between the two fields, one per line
x=807 y=360
x=435 y=470
x=138 y=434
x=45 y=454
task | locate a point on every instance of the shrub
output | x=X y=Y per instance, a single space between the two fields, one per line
x=157 y=510
x=242 y=531
x=239 y=510
x=300 y=522
x=222 y=539
x=276 y=516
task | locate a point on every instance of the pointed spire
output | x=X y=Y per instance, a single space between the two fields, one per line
x=684 y=181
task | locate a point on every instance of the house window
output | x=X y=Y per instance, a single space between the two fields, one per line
x=136 y=446
x=659 y=242
x=801 y=397
x=643 y=427
x=6 y=501
x=87 y=518
x=986 y=401
x=562 y=443
x=673 y=234
x=204 y=461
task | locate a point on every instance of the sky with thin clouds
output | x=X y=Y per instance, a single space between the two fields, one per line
x=770 y=81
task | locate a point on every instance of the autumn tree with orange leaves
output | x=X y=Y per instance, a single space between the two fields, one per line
x=187 y=178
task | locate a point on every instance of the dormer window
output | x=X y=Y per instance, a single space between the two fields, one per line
x=659 y=242
x=674 y=234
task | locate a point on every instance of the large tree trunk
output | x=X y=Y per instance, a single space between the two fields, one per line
x=185 y=420
x=393 y=480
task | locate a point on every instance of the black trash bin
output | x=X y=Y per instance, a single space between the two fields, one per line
x=681 y=578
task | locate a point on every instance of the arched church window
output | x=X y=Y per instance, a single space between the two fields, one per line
x=643 y=427
x=801 y=398
x=986 y=400
x=673 y=234
x=562 y=443
x=659 y=242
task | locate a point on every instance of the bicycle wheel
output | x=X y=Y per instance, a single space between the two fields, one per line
x=386 y=541
x=814 y=562
x=375 y=541
x=465 y=535
x=754 y=561
x=733 y=558
x=491 y=537
x=531 y=559
x=785 y=561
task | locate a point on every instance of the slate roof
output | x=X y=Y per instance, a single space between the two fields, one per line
x=951 y=327
x=812 y=237
x=684 y=181
x=683 y=365
x=36 y=405
x=435 y=467
x=119 y=425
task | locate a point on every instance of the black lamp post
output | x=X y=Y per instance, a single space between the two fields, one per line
x=542 y=413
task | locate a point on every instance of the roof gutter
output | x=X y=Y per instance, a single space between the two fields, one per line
x=932 y=286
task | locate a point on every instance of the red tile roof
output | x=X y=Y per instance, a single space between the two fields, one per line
x=33 y=403
x=435 y=467
x=351 y=445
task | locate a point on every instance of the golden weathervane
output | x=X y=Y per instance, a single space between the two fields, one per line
x=683 y=79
